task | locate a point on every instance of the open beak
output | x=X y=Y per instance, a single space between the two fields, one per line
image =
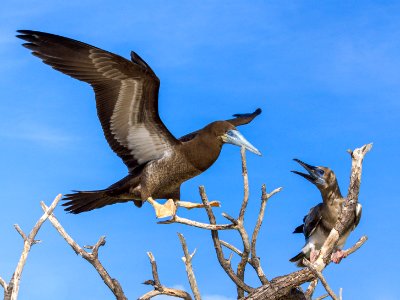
x=236 y=138
x=315 y=175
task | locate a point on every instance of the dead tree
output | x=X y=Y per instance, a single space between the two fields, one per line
x=287 y=286
x=282 y=287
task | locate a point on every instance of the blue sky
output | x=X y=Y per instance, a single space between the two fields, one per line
x=326 y=76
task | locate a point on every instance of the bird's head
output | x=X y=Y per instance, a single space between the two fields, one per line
x=322 y=177
x=227 y=133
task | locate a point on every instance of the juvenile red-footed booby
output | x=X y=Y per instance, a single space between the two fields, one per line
x=320 y=220
x=127 y=105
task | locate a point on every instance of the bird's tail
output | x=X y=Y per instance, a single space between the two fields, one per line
x=298 y=259
x=299 y=229
x=82 y=201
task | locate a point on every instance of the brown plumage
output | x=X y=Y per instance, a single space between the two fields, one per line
x=320 y=220
x=127 y=107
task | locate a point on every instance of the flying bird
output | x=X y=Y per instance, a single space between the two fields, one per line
x=320 y=220
x=127 y=106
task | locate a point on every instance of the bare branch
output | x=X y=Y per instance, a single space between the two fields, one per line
x=230 y=218
x=356 y=246
x=154 y=270
x=3 y=283
x=91 y=257
x=311 y=288
x=217 y=245
x=231 y=247
x=187 y=259
x=322 y=297
x=13 y=287
x=21 y=233
x=245 y=256
x=168 y=292
x=184 y=221
x=245 y=185
x=159 y=289
x=321 y=277
x=255 y=261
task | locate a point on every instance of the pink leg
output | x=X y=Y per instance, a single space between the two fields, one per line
x=338 y=256
x=314 y=255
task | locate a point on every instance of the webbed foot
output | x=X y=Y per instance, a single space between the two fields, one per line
x=314 y=255
x=168 y=209
x=337 y=256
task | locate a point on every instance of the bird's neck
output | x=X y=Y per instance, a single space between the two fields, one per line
x=332 y=195
x=203 y=151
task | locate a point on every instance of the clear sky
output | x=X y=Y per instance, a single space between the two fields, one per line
x=326 y=76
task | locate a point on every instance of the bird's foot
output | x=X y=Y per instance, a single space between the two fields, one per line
x=337 y=256
x=314 y=255
x=191 y=205
x=168 y=209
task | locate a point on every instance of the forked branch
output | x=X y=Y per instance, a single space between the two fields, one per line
x=249 y=254
x=11 y=289
x=159 y=289
x=92 y=257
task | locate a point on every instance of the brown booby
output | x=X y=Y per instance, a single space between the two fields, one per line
x=127 y=105
x=320 y=220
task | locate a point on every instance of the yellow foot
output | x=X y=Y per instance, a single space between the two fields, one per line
x=168 y=209
x=190 y=205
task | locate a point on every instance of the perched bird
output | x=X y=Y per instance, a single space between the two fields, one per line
x=127 y=105
x=320 y=220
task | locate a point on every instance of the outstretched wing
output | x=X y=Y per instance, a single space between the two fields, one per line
x=126 y=94
x=240 y=119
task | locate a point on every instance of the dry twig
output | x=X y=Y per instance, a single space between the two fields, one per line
x=92 y=257
x=159 y=289
x=321 y=277
x=225 y=264
x=311 y=288
x=11 y=289
x=187 y=259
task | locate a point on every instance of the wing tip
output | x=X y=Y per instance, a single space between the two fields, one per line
x=255 y=113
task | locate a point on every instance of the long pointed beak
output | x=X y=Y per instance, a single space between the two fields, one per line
x=236 y=138
x=313 y=175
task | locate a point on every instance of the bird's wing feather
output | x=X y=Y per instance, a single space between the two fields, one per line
x=299 y=229
x=242 y=119
x=189 y=136
x=312 y=220
x=126 y=94
x=358 y=215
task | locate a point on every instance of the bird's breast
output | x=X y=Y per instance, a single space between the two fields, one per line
x=165 y=175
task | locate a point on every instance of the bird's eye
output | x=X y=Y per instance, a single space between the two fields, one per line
x=321 y=172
